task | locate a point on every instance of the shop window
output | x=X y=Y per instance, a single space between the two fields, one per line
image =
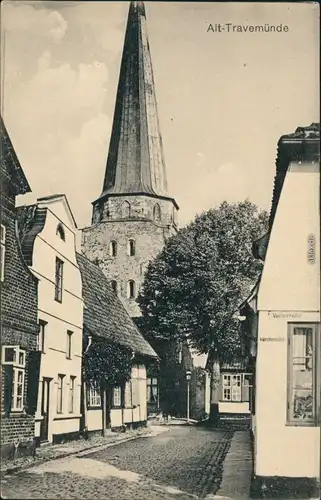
x=304 y=374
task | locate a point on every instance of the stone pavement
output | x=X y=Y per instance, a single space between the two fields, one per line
x=52 y=452
x=237 y=469
x=183 y=463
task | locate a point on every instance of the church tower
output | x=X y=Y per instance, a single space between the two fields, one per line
x=134 y=214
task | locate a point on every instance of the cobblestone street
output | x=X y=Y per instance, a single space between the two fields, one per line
x=182 y=463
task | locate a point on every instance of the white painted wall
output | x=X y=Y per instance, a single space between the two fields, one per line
x=60 y=317
x=289 y=292
x=234 y=407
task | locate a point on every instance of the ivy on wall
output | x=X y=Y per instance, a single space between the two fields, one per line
x=107 y=362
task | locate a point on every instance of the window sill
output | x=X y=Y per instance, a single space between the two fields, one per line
x=66 y=416
x=302 y=424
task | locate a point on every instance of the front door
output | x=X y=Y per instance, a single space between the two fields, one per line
x=45 y=408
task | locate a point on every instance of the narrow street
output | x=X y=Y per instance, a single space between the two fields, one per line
x=182 y=463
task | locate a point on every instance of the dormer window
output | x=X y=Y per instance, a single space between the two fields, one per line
x=61 y=232
x=113 y=248
x=131 y=247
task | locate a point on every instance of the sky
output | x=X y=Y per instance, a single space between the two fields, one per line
x=224 y=98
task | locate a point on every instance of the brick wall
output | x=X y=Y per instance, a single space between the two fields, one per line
x=19 y=303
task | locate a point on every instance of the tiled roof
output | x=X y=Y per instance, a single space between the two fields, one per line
x=104 y=314
x=303 y=145
x=31 y=220
x=10 y=160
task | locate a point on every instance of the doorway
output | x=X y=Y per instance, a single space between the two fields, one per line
x=45 y=409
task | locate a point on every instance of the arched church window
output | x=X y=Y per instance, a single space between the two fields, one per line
x=125 y=209
x=113 y=248
x=131 y=289
x=157 y=212
x=61 y=232
x=114 y=285
x=131 y=247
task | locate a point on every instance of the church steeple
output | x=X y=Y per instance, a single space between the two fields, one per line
x=135 y=163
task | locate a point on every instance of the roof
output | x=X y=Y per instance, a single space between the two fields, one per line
x=31 y=221
x=303 y=145
x=9 y=158
x=104 y=314
x=135 y=163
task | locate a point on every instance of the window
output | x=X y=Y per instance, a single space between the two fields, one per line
x=235 y=387
x=114 y=285
x=61 y=232
x=113 y=248
x=152 y=390
x=157 y=212
x=41 y=336
x=131 y=248
x=304 y=374
x=94 y=395
x=131 y=289
x=128 y=394
x=117 y=396
x=58 y=280
x=72 y=394
x=14 y=360
x=69 y=344
x=60 y=390
x=3 y=251
x=125 y=209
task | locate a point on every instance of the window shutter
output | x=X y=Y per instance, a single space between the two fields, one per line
x=33 y=381
x=8 y=373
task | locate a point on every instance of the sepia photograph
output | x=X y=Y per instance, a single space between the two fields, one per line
x=160 y=250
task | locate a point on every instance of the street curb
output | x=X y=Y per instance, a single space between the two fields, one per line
x=84 y=452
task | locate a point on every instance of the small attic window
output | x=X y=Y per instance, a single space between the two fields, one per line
x=61 y=232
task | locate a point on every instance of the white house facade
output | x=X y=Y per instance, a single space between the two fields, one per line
x=49 y=245
x=285 y=312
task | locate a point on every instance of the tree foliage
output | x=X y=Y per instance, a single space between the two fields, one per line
x=194 y=286
x=107 y=362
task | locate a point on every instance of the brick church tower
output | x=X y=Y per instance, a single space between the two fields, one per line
x=134 y=214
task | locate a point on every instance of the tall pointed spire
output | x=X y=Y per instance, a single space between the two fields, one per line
x=135 y=162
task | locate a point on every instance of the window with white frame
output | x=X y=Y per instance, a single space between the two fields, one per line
x=117 y=395
x=72 y=394
x=42 y=336
x=58 y=279
x=152 y=390
x=236 y=387
x=94 y=395
x=60 y=392
x=304 y=373
x=15 y=358
x=69 y=344
x=3 y=251
x=128 y=394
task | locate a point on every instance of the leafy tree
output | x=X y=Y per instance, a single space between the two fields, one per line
x=193 y=288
